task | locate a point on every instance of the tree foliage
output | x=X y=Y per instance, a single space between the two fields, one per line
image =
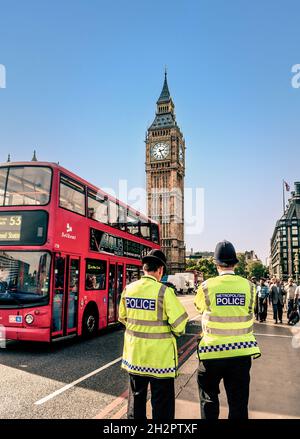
x=244 y=268
x=241 y=267
x=257 y=269
x=251 y=268
x=205 y=266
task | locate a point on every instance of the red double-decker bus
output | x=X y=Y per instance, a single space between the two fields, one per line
x=67 y=250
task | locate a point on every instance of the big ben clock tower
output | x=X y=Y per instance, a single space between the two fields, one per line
x=165 y=169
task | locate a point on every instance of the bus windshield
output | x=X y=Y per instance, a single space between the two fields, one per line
x=24 y=277
x=25 y=185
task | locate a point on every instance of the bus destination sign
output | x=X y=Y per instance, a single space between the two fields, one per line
x=10 y=227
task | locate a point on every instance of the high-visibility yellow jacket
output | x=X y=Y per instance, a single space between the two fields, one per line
x=152 y=315
x=227 y=304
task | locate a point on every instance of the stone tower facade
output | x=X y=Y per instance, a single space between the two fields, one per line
x=165 y=170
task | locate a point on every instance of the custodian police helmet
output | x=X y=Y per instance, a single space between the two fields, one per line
x=225 y=254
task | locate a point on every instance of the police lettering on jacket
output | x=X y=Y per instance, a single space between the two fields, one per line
x=137 y=303
x=232 y=299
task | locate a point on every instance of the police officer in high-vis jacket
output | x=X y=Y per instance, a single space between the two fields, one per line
x=227 y=343
x=153 y=317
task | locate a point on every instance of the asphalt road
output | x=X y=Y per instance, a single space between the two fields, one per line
x=275 y=377
x=73 y=378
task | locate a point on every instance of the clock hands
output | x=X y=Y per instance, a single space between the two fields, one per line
x=160 y=151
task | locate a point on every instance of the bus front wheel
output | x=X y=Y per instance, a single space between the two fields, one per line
x=90 y=322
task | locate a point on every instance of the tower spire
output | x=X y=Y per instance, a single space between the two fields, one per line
x=165 y=93
x=34 y=159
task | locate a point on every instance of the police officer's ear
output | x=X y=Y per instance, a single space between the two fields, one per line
x=160 y=271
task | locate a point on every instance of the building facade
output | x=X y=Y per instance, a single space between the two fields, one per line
x=251 y=256
x=165 y=170
x=285 y=242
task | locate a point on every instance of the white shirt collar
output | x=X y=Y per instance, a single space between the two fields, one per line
x=221 y=273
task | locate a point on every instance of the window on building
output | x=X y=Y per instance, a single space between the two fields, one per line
x=72 y=195
x=295 y=241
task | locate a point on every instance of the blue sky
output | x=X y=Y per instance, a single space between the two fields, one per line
x=83 y=78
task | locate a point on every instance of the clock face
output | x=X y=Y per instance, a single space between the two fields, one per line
x=160 y=151
x=181 y=153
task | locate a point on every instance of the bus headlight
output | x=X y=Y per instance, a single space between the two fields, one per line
x=29 y=319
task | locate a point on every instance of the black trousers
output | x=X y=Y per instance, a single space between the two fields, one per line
x=277 y=311
x=256 y=307
x=263 y=308
x=162 y=397
x=290 y=307
x=235 y=373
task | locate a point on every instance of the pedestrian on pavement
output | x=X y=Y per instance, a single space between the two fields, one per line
x=297 y=298
x=272 y=282
x=277 y=296
x=227 y=343
x=256 y=313
x=290 y=289
x=263 y=293
x=153 y=317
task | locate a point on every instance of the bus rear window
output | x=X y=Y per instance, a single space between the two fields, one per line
x=25 y=186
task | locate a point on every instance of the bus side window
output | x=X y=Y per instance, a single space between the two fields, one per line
x=71 y=195
x=95 y=274
x=132 y=273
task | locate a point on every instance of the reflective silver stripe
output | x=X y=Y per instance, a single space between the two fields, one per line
x=252 y=297
x=237 y=319
x=219 y=331
x=160 y=302
x=148 y=322
x=149 y=335
x=205 y=291
x=180 y=320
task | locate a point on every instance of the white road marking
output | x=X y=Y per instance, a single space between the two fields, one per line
x=273 y=335
x=69 y=386
x=74 y=383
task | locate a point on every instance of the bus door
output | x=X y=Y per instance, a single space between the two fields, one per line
x=115 y=288
x=65 y=299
